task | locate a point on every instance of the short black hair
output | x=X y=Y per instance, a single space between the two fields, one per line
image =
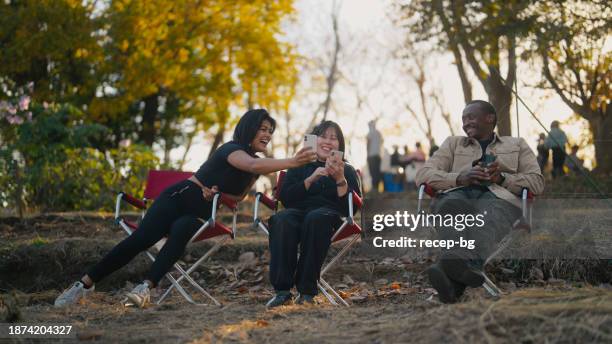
x=322 y=128
x=249 y=124
x=486 y=107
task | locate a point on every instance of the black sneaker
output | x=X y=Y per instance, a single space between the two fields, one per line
x=459 y=289
x=447 y=292
x=281 y=298
x=304 y=299
x=459 y=269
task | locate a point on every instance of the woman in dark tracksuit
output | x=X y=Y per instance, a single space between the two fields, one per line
x=315 y=197
x=181 y=209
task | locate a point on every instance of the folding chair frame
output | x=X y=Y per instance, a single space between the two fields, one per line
x=524 y=222
x=214 y=227
x=342 y=233
x=351 y=231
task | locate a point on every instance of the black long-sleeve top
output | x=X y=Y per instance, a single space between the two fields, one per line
x=322 y=193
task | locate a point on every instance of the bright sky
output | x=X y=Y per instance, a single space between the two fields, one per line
x=368 y=36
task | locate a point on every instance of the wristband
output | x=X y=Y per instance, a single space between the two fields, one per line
x=342 y=183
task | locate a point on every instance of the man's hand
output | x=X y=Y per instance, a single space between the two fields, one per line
x=494 y=172
x=473 y=176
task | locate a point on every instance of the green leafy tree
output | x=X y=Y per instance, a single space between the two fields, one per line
x=173 y=61
x=148 y=70
x=481 y=35
x=48 y=160
x=570 y=38
x=51 y=44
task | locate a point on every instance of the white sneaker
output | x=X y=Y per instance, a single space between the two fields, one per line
x=73 y=294
x=140 y=295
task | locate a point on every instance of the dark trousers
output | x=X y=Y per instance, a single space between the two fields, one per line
x=311 y=230
x=498 y=215
x=177 y=213
x=374 y=168
x=558 y=155
x=542 y=159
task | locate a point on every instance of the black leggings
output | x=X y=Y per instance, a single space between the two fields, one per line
x=177 y=213
x=312 y=231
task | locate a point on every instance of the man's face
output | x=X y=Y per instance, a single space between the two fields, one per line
x=476 y=123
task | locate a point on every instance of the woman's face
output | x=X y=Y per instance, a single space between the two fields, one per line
x=327 y=142
x=263 y=137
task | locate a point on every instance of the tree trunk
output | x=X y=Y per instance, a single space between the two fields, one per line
x=500 y=97
x=19 y=192
x=601 y=128
x=190 y=137
x=333 y=70
x=466 y=85
x=147 y=132
x=217 y=140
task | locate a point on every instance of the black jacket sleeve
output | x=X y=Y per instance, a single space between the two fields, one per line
x=353 y=186
x=293 y=189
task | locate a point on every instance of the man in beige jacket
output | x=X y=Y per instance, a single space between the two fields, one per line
x=482 y=173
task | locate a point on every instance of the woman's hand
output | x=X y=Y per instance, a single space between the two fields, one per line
x=318 y=173
x=304 y=156
x=335 y=169
x=209 y=193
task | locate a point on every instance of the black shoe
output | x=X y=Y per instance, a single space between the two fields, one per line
x=443 y=285
x=459 y=270
x=281 y=298
x=304 y=299
x=459 y=289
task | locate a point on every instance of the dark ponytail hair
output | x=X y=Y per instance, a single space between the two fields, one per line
x=249 y=124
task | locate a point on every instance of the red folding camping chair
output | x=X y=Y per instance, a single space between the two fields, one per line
x=523 y=223
x=349 y=232
x=158 y=181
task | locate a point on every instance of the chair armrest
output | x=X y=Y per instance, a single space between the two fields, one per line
x=354 y=201
x=228 y=202
x=268 y=201
x=357 y=201
x=427 y=189
x=133 y=200
x=424 y=189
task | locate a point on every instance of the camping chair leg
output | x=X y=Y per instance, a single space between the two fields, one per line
x=174 y=282
x=194 y=284
x=185 y=274
x=503 y=244
x=328 y=286
x=329 y=297
x=261 y=226
x=168 y=276
x=323 y=284
x=212 y=250
x=340 y=254
x=491 y=287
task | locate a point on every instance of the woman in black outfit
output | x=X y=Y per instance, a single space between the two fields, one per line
x=315 y=197
x=178 y=212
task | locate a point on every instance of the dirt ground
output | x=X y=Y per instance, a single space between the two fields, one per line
x=391 y=301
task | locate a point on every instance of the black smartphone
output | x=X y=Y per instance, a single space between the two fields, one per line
x=486 y=160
